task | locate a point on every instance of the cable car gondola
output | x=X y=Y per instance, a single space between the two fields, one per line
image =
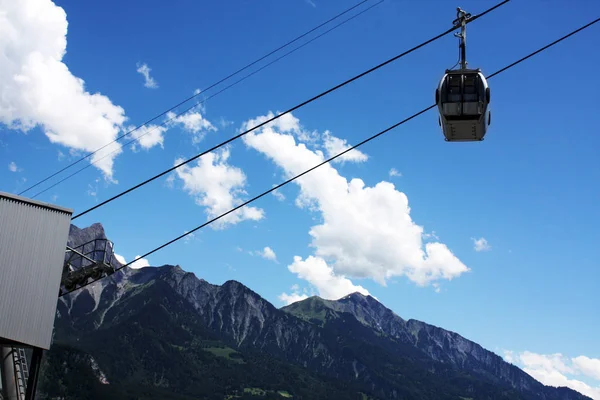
x=463 y=97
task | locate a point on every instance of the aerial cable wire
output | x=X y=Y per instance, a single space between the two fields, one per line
x=195 y=95
x=208 y=98
x=454 y=27
x=339 y=154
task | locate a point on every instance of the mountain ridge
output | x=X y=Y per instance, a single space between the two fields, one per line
x=350 y=345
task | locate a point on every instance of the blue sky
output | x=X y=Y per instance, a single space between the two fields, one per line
x=529 y=189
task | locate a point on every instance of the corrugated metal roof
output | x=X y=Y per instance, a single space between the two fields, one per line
x=35 y=202
x=33 y=237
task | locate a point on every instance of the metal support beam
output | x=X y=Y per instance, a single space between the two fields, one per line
x=34 y=372
x=9 y=382
x=461 y=22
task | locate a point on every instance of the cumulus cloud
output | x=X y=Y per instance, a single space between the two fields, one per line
x=290 y=298
x=269 y=254
x=295 y=295
x=12 y=167
x=394 y=172
x=139 y=263
x=37 y=88
x=546 y=362
x=289 y=124
x=334 y=145
x=194 y=123
x=218 y=187
x=148 y=136
x=278 y=195
x=366 y=232
x=481 y=244
x=120 y=259
x=144 y=70
x=330 y=285
x=588 y=366
x=431 y=235
x=558 y=370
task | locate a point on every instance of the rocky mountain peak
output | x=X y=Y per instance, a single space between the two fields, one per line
x=360 y=299
x=78 y=236
x=354 y=339
x=357 y=296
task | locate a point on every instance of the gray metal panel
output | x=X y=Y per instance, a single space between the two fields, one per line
x=33 y=237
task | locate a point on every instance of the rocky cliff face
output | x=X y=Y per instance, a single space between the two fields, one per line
x=355 y=342
x=80 y=236
x=438 y=344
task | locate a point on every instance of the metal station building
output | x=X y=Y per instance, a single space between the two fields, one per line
x=33 y=239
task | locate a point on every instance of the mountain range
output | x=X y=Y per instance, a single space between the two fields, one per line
x=163 y=333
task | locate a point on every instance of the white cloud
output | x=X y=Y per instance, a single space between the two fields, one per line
x=289 y=124
x=12 y=167
x=170 y=181
x=330 y=286
x=558 y=370
x=218 y=186
x=189 y=237
x=37 y=88
x=93 y=189
x=556 y=379
x=288 y=299
x=139 y=263
x=278 y=195
x=194 y=123
x=148 y=136
x=546 y=362
x=268 y=254
x=285 y=124
x=588 y=366
x=431 y=235
x=120 y=259
x=509 y=356
x=149 y=82
x=334 y=145
x=481 y=244
x=394 y=172
x=224 y=123
x=366 y=232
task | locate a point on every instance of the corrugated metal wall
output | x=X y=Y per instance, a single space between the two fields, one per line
x=33 y=237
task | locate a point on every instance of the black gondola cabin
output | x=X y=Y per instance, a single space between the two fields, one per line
x=463 y=99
